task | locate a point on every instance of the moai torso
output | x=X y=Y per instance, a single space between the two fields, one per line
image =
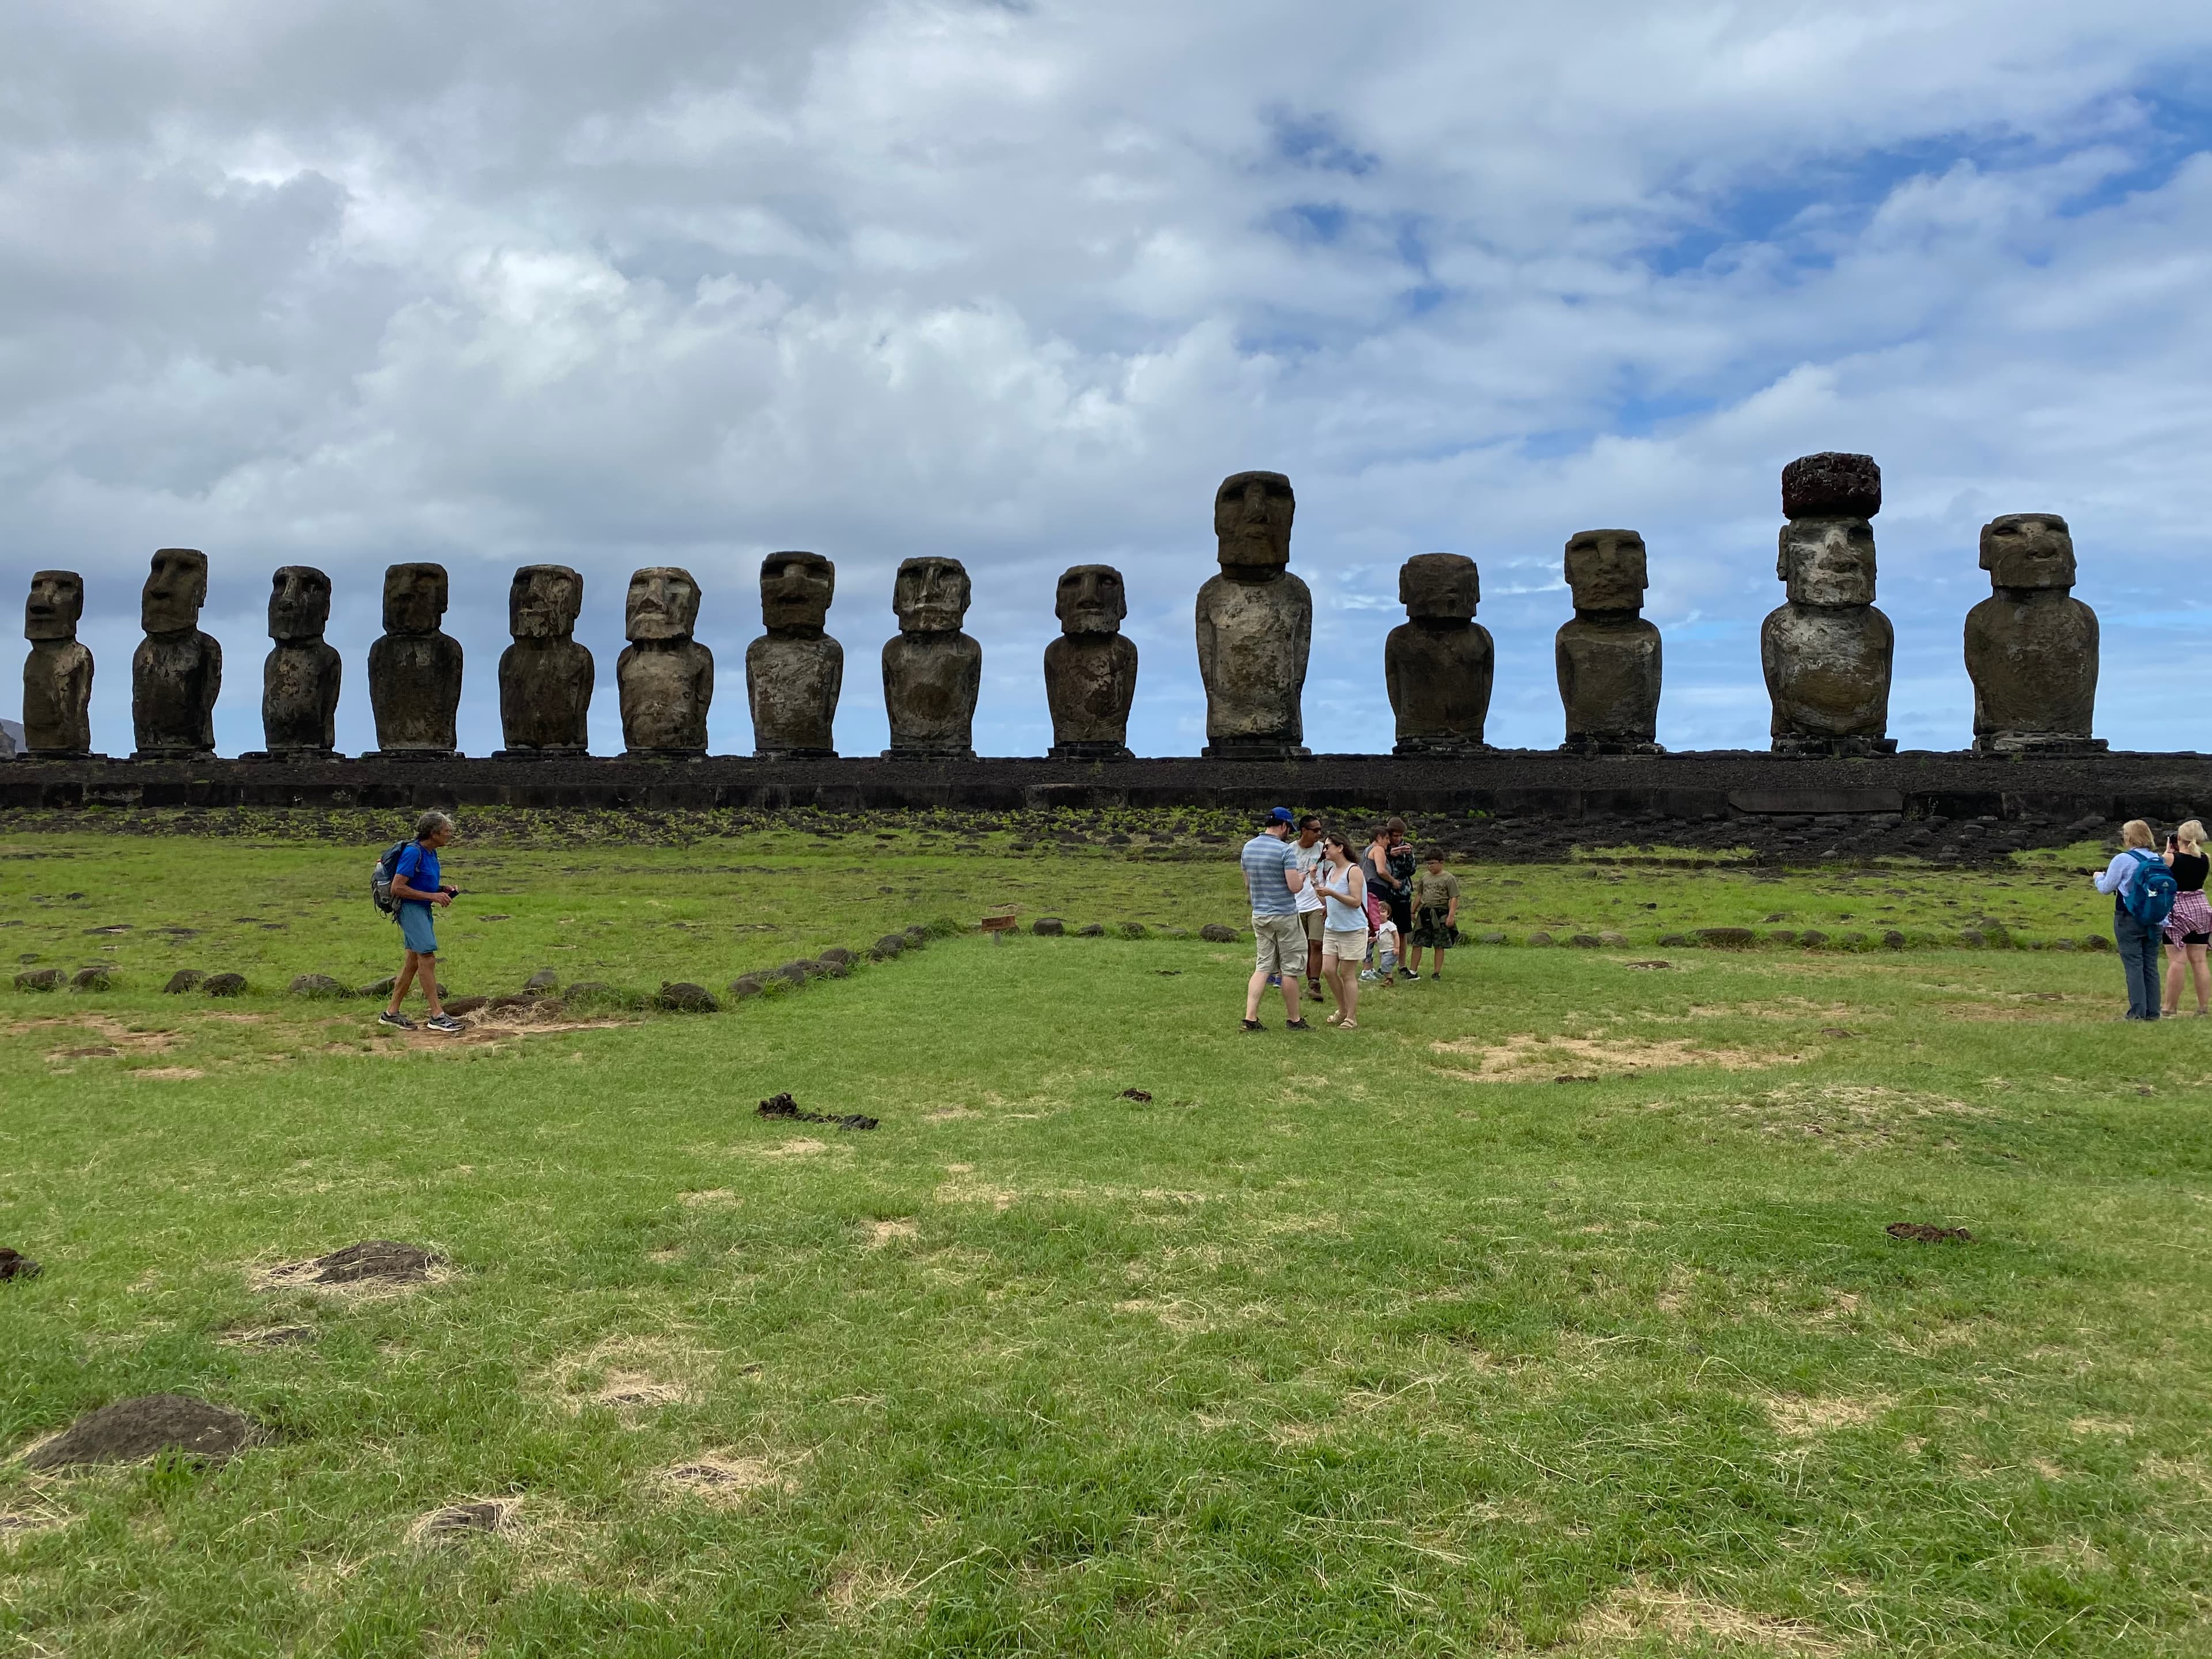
x=2031 y=646
x=933 y=671
x=57 y=671
x=1255 y=622
x=795 y=673
x=666 y=678
x=545 y=678
x=176 y=672
x=1828 y=652
x=1607 y=656
x=415 y=668
x=1438 y=664
x=301 y=674
x=1091 y=670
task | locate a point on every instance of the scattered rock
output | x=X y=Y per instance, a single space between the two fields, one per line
x=1675 y=941
x=836 y=957
x=1613 y=940
x=379 y=988
x=115 y=927
x=1970 y=937
x=1728 y=938
x=890 y=946
x=1783 y=936
x=2096 y=942
x=1140 y=1095
x=1575 y=1077
x=15 y=1265
x=1921 y=1233
x=1893 y=940
x=784 y=1107
x=544 y=979
x=188 y=978
x=93 y=979
x=1091 y=930
x=829 y=969
x=916 y=936
x=457 y=1518
x=319 y=986
x=744 y=986
x=224 y=985
x=682 y=997
x=1539 y=938
x=1779 y=916
x=1835 y=1031
x=1655 y=962
x=461 y=1005
x=1490 y=939
x=1583 y=941
x=1812 y=937
x=1048 y=928
x=133 y=1428
x=41 y=979
x=373 y=1260
x=1214 y=933
x=1135 y=930
x=2062 y=945
x=792 y=972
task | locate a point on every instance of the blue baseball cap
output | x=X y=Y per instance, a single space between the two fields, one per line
x=1281 y=815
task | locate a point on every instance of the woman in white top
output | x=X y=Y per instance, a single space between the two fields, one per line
x=1344 y=931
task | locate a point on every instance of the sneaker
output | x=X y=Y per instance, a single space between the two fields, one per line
x=443 y=1023
x=397 y=1022
x=1254 y=1026
x=1275 y=980
x=1296 y=1025
x=1369 y=975
x=1408 y=973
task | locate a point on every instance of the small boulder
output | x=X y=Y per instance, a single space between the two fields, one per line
x=832 y=970
x=1728 y=938
x=682 y=997
x=1970 y=937
x=321 y=987
x=1613 y=940
x=2061 y=945
x=2096 y=942
x=461 y=1005
x=373 y=1260
x=545 y=979
x=1812 y=937
x=378 y=987
x=917 y=936
x=14 y=1264
x=890 y=945
x=1675 y=941
x=93 y=979
x=1583 y=941
x=1783 y=936
x=1893 y=940
x=188 y=978
x=456 y=1518
x=1214 y=933
x=130 y=1430
x=507 y=1004
x=1091 y=930
x=41 y=979
x=800 y=970
x=836 y=954
x=1540 y=937
x=1135 y=930
x=1490 y=939
x=224 y=985
x=744 y=986
x=1048 y=928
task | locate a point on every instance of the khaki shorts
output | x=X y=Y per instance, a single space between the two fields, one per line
x=1344 y=945
x=1313 y=920
x=1281 y=944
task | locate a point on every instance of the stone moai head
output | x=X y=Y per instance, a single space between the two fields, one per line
x=414 y=598
x=543 y=601
x=1440 y=587
x=796 y=589
x=2029 y=549
x=1606 y=569
x=1828 y=561
x=1252 y=514
x=55 y=606
x=175 y=590
x=1090 y=600
x=930 y=596
x=663 y=605
x=299 y=605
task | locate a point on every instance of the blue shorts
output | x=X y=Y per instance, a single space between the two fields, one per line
x=416 y=928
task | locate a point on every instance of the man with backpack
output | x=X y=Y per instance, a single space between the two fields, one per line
x=2143 y=892
x=406 y=884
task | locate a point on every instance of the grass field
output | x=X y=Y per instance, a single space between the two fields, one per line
x=1553 y=1311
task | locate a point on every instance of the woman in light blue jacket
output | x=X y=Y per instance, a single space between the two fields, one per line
x=2138 y=944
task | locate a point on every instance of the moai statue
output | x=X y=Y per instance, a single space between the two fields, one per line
x=665 y=676
x=176 y=672
x=1091 y=670
x=58 y=674
x=2031 y=646
x=932 y=671
x=415 y=668
x=1827 y=652
x=544 y=676
x=794 y=671
x=1438 y=664
x=300 y=676
x=1608 y=656
x=1255 y=624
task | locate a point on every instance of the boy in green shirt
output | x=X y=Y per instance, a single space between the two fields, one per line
x=1435 y=914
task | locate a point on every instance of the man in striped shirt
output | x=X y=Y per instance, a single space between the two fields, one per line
x=1272 y=880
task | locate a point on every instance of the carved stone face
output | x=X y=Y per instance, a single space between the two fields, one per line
x=663 y=605
x=543 y=601
x=175 y=590
x=1827 y=561
x=299 y=604
x=2029 y=549
x=1089 y=600
x=1440 y=587
x=55 y=605
x=414 y=598
x=930 y=596
x=1606 y=569
x=796 y=589
x=1252 y=514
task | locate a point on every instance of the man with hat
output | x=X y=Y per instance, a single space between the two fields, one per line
x=1272 y=880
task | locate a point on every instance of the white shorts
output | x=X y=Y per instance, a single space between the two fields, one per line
x=1344 y=945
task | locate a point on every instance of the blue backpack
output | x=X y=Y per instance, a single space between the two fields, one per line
x=2150 y=897
x=381 y=878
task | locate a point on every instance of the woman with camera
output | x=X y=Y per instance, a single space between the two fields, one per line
x=2189 y=929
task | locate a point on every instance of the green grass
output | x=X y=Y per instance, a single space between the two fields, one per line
x=1330 y=1347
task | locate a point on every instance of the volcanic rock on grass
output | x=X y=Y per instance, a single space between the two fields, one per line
x=131 y=1429
x=1091 y=930
x=93 y=979
x=224 y=985
x=1674 y=941
x=1214 y=933
x=833 y=969
x=188 y=978
x=1539 y=938
x=15 y=1265
x=1612 y=940
x=1490 y=939
x=1893 y=939
x=41 y=979
x=1585 y=941
x=463 y=1518
x=320 y=986
x=917 y=936
x=796 y=973
x=1048 y=928
x=544 y=979
x=745 y=985
x=682 y=997
x=1728 y=938
x=1651 y=965
x=835 y=956
x=1141 y=1096
x=2096 y=942
x=1972 y=937
x=783 y=1106
x=1812 y=936
x=373 y=1260
x=1919 y=1232
x=461 y=1005
x=890 y=946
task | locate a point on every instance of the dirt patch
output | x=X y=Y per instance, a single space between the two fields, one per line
x=724 y=1477
x=881 y=1233
x=1531 y=1059
x=1806 y=1420
x=481 y=1515
x=800 y=1148
x=375 y=1264
x=712 y=1195
x=130 y=1430
x=1638 y=1610
x=112 y=1032
x=626 y=1374
x=947 y=1114
x=164 y=1073
x=1919 y=1232
x=269 y=1336
x=636 y=1390
x=785 y=1108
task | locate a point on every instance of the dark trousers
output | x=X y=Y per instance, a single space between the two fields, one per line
x=2139 y=962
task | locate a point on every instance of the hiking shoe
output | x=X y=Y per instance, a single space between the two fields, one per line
x=443 y=1023
x=1254 y=1026
x=397 y=1022
x=1296 y=1025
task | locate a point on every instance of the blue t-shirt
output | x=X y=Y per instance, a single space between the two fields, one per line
x=1264 y=859
x=418 y=868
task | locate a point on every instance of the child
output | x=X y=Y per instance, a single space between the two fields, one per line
x=1436 y=914
x=1386 y=953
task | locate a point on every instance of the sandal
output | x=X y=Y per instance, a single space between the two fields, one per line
x=1335 y=1016
x=1349 y=1026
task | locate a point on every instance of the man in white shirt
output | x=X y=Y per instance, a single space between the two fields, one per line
x=1311 y=909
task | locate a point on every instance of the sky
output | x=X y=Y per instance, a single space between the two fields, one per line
x=299 y=282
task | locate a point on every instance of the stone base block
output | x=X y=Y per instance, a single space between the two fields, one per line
x=1252 y=749
x=1834 y=748
x=57 y=755
x=291 y=757
x=664 y=754
x=795 y=754
x=1443 y=746
x=2037 y=743
x=1594 y=743
x=913 y=754
x=566 y=751
x=412 y=754
x=1090 y=751
x=173 y=754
